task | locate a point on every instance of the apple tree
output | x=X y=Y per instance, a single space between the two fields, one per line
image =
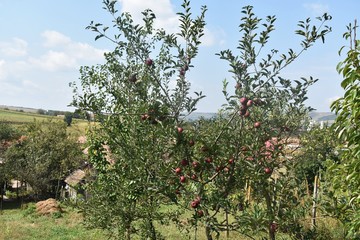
x=139 y=96
x=345 y=174
x=240 y=166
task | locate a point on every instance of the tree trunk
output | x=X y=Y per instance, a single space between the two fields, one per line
x=271 y=233
x=227 y=224
x=208 y=233
x=1 y=198
x=270 y=212
x=128 y=231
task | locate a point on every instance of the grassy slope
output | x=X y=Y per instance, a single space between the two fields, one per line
x=17 y=118
x=21 y=117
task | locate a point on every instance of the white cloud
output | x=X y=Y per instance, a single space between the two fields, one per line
x=16 y=48
x=165 y=15
x=68 y=54
x=85 y=51
x=40 y=77
x=166 y=18
x=317 y=9
x=2 y=69
x=54 y=60
x=28 y=84
x=54 y=39
x=213 y=37
x=332 y=99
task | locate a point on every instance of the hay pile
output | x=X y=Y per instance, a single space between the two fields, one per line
x=47 y=207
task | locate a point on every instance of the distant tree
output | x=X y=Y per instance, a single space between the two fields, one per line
x=45 y=156
x=68 y=118
x=317 y=146
x=78 y=114
x=41 y=111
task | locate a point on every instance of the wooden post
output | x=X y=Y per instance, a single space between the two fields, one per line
x=227 y=224
x=1 y=198
x=315 y=196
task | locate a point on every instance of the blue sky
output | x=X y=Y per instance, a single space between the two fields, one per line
x=43 y=44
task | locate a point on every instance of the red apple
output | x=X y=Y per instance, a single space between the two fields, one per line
x=268 y=170
x=249 y=103
x=182 y=179
x=231 y=161
x=193 y=177
x=208 y=160
x=194 y=204
x=149 y=62
x=178 y=170
x=257 y=124
x=144 y=117
x=184 y=162
x=200 y=213
x=191 y=143
x=195 y=164
x=247 y=114
x=243 y=100
x=273 y=227
x=182 y=72
x=180 y=129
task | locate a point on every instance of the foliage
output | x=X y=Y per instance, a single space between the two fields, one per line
x=7 y=132
x=146 y=156
x=318 y=145
x=46 y=155
x=346 y=178
x=68 y=118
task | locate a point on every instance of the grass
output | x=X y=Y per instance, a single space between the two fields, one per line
x=23 y=224
x=16 y=117
x=15 y=224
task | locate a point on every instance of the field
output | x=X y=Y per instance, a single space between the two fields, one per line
x=18 y=118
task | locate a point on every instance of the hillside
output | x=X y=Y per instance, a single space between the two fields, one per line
x=323 y=116
x=316 y=116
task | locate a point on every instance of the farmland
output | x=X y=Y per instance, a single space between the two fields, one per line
x=18 y=118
